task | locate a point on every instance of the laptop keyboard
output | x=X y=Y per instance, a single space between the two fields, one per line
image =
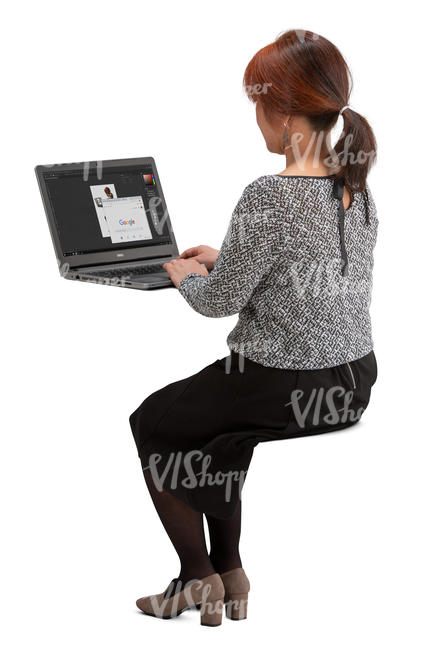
x=126 y=272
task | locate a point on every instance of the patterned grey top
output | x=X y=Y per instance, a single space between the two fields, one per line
x=279 y=267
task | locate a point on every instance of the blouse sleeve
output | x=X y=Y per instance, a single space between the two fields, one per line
x=251 y=245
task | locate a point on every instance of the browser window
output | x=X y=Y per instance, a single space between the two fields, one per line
x=126 y=219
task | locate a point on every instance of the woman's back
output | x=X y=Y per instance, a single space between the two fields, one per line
x=280 y=267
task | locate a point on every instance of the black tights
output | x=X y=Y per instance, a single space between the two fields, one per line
x=185 y=528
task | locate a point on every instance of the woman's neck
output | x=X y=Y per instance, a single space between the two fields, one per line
x=306 y=155
x=306 y=168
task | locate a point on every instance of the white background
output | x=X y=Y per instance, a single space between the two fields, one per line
x=337 y=529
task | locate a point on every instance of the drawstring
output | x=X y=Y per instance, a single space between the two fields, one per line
x=366 y=206
x=338 y=191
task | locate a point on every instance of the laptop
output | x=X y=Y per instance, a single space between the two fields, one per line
x=109 y=222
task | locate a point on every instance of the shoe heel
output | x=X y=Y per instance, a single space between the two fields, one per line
x=211 y=612
x=237 y=606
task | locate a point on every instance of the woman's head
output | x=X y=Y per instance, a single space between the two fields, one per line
x=300 y=83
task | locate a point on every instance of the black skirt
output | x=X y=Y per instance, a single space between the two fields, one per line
x=197 y=435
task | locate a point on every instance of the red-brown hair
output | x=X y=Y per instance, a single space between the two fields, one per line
x=307 y=75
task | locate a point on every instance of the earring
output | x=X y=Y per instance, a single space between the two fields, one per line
x=286 y=144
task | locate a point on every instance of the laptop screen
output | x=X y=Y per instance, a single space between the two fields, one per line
x=106 y=209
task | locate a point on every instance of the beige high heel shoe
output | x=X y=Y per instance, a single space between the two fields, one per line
x=207 y=593
x=237 y=586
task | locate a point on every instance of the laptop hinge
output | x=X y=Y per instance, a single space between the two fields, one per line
x=119 y=263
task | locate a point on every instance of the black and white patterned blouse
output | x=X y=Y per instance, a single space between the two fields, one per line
x=280 y=268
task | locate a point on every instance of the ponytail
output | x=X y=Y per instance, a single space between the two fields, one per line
x=355 y=151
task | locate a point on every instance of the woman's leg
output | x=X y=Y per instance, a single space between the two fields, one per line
x=224 y=540
x=184 y=526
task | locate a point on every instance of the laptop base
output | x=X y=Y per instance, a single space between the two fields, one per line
x=146 y=283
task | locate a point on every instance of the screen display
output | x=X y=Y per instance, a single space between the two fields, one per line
x=106 y=209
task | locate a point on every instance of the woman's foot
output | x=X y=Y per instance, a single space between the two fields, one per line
x=236 y=587
x=207 y=592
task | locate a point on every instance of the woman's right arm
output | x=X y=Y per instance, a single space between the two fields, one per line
x=253 y=241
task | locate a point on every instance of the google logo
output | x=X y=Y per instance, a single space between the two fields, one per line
x=127 y=222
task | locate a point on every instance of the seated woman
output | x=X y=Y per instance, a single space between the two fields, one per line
x=296 y=264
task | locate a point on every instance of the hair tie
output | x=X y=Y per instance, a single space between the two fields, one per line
x=344 y=108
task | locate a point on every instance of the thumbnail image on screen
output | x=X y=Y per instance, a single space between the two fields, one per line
x=99 y=193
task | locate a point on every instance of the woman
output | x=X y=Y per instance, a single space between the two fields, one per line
x=296 y=264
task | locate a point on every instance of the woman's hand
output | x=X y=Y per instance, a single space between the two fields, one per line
x=178 y=269
x=202 y=254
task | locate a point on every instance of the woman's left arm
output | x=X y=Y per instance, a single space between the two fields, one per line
x=252 y=243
